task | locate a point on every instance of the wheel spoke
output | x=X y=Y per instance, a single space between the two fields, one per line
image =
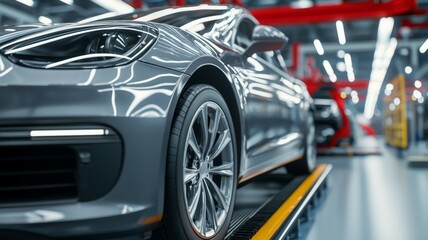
x=204 y=126
x=193 y=143
x=221 y=143
x=203 y=222
x=195 y=201
x=312 y=133
x=189 y=174
x=214 y=128
x=211 y=207
x=225 y=170
x=218 y=195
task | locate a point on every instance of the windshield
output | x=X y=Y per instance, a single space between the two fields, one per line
x=199 y=19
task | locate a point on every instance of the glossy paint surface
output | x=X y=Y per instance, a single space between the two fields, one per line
x=138 y=100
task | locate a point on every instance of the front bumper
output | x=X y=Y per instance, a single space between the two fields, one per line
x=137 y=110
x=133 y=205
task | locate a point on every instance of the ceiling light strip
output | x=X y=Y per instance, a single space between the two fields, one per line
x=340 y=32
x=318 y=47
x=424 y=47
x=385 y=49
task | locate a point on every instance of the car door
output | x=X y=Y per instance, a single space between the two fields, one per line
x=269 y=109
x=277 y=62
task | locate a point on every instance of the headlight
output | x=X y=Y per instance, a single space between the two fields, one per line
x=82 y=46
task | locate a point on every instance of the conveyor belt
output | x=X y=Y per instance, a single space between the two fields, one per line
x=280 y=212
x=272 y=206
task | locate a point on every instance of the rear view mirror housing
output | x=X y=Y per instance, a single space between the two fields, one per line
x=266 y=38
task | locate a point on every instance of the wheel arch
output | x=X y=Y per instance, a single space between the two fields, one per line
x=213 y=76
x=214 y=73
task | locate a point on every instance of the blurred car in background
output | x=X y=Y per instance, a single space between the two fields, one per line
x=327 y=119
x=332 y=124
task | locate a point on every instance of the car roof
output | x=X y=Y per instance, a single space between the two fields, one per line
x=168 y=15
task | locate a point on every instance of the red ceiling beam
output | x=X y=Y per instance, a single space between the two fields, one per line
x=357 y=84
x=410 y=24
x=184 y=3
x=285 y=15
x=178 y=3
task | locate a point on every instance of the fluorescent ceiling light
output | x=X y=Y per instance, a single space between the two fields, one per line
x=301 y=4
x=329 y=70
x=385 y=49
x=408 y=69
x=29 y=3
x=349 y=68
x=397 y=101
x=341 y=54
x=387 y=93
x=327 y=67
x=418 y=84
x=341 y=66
x=351 y=76
x=417 y=94
x=348 y=62
x=340 y=32
x=377 y=76
x=318 y=47
x=386 y=25
x=114 y=6
x=424 y=47
x=390 y=50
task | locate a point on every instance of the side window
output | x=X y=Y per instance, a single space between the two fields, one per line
x=274 y=58
x=244 y=33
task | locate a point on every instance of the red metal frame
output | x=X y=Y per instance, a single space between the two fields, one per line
x=357 y=84
x=408 y=23
x=285 y=15
x=295 y=57
x=183 y=2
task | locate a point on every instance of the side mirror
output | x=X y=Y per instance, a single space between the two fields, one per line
x=266 y=38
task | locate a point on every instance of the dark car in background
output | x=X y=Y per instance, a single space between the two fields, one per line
x=109 y=128
x=332 y=123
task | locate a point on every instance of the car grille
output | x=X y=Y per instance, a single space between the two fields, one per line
x=37 y=174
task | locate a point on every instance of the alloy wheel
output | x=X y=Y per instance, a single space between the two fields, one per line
x=208 y=170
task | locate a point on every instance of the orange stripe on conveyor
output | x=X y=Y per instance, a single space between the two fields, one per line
x=283 y=212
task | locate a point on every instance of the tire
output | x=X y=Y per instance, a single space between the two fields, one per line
x=200 y=166
x=307 y=163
